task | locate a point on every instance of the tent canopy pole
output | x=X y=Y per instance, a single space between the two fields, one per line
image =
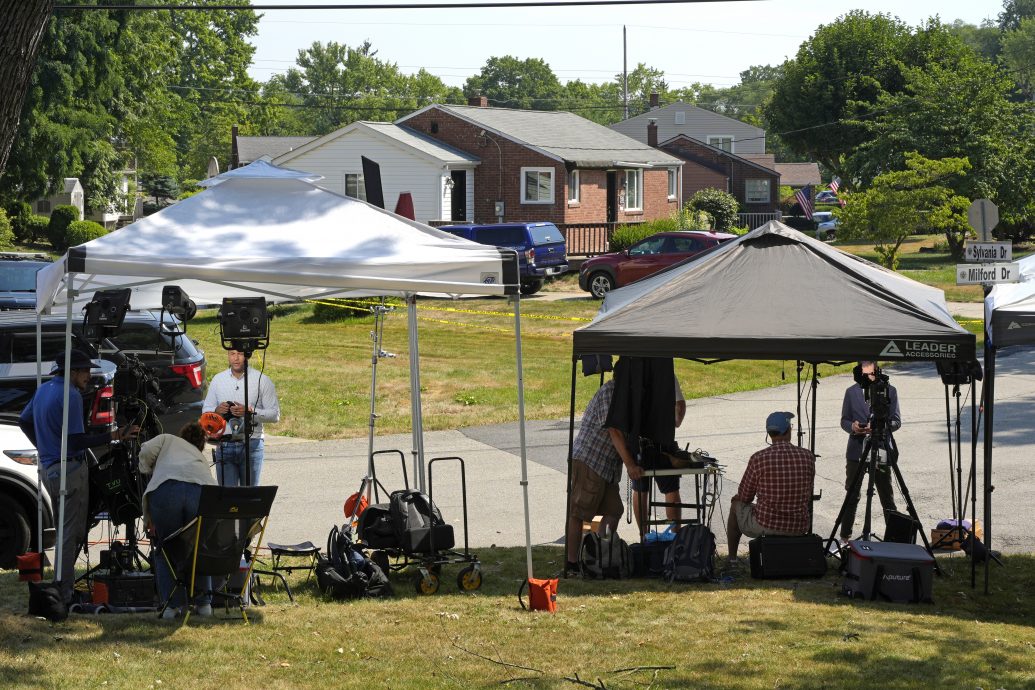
x=521 y=433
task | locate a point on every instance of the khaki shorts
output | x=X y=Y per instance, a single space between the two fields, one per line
x=591 y=495
x=749 y=526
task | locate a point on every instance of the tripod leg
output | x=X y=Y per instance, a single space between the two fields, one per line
x=851 y=493
x=912 y=512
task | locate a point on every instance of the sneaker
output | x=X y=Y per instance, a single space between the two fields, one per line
x=170 y=613
x=734 y=563
x=204 y=610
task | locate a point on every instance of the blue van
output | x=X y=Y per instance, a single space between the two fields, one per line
x=540 y=248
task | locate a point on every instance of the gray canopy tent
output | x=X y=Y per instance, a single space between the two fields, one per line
x=774 y=293
x=268 y=231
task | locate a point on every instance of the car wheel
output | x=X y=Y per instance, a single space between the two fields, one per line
x=601 y=283
x=531 y=288
x=15 y=531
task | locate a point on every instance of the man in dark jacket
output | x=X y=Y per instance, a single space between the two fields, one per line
x=855 y=420
x=41 y=421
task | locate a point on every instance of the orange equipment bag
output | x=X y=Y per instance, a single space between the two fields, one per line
x=351 y=509
x=29 y=568
x=542 y=594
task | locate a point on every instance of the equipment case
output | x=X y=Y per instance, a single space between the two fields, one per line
x=900 y=573
x=128 y=589
x=774 y=557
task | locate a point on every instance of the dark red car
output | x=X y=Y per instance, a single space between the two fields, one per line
x=604 y=273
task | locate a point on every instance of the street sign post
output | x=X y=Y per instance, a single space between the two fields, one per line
x=983 y=216
x=988 y=251
x=967 y=274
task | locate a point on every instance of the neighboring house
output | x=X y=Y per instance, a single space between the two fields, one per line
x=438 y=177
x=70 y=194
x=798 y=175
x=553 y=165
x=703 y=125
x=245 y=150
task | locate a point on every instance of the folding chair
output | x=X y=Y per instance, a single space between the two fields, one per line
x=214 y=542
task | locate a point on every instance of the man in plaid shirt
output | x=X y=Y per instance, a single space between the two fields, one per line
x=596 y=468
x=781 y=477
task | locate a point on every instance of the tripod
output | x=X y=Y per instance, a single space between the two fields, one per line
x=871 y=462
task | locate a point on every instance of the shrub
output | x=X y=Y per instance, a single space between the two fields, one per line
x=721 y=206
x=340 y=309
x=33 y=227
x=625 y=236
x=82 y=231
x=17 y=213
x=60 y=218
x=6 y=233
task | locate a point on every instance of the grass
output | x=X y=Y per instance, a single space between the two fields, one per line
x=739 y=634
x=322 y=370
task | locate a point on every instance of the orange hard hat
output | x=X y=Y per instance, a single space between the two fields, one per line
x=212 y=423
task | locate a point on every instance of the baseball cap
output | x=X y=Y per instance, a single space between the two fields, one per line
x=779 y=422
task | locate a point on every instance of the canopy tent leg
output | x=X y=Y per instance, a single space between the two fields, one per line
x=812 y=422
x=973 y=476
x=990 y=353
x=59 y=551
x=801 y=431
x=39 y=465
x=375 y=336
x=416 y=413
x=521 y=433
x=571 y=449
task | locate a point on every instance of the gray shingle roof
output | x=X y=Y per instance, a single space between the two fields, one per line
x=798 y=174
x=422 y=143
x=564 y=135
x=253 y=148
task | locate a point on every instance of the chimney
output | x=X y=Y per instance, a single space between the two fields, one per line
x=652 y=132
x=654 y=100
x=235 y=158
x=478 y=101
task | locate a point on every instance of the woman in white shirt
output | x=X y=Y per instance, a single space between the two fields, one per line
x=178 y=468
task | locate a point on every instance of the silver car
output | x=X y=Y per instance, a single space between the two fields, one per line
x=18 y=509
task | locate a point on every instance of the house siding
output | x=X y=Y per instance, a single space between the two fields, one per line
x=700 y=124
x=702 y=171
x=592 y=206
x=401 y=171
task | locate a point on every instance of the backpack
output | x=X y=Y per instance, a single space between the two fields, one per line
x=416 y=520
x=605 y=557
x=691 y=556
x=346 y=573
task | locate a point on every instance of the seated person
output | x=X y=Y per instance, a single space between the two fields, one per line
x=179 y=468
x=781 y=477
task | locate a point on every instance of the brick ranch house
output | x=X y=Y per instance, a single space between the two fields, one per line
x=553 y=166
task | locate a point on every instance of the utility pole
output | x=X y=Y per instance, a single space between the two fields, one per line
x=625 y=74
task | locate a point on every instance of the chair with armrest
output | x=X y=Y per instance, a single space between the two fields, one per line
x=213 y=543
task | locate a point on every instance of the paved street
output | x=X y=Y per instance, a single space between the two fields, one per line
x=315 y=477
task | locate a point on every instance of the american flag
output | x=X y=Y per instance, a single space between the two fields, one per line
x=835 y=184
x=804 y=198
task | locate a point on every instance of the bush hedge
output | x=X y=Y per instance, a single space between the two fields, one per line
x=17 y=213
x=6 y=233
x=625 y=236
x=82 y=231
x=329 y=310
x=721 y=206
x=32 y=228
x=60 y=218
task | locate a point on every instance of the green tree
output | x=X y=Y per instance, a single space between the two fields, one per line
x=21 y=35
x=508 y=82
x=1014 y=11
x=720 y=205
x=905 y=202
x=161 y=187
x=1019 y=55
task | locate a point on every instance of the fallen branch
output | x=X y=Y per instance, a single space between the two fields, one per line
x=578 y=681
x=501 y=663
x=634 y=669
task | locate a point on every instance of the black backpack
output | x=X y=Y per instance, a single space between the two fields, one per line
x=346 y=573
x=416 y=520
x=605 y=557
x=691 y=555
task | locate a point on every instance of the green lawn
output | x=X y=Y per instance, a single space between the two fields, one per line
x=737 y=634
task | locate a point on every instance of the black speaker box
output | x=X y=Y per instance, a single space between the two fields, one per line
x=774 y=557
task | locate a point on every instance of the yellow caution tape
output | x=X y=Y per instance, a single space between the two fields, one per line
x=344 y=304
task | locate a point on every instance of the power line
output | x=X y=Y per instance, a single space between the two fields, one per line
x=391 y=6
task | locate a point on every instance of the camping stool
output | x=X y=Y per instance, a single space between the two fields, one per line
x=305 y=549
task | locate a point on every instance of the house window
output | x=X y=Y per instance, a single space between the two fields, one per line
x=681 y=118
x=756 y=191
x=573 y=186
x=721 y=141
x=537 y=185
x=633 y=190
x=672 y=177
x=355 y=187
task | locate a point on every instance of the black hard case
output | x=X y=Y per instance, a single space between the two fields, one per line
x=901 y=573
x=774 y=557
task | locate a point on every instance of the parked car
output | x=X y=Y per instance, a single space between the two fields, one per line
x=18 y=511
x=18 y=278
x=604 y=273
x=827 y=196
x=541 y=248
x=826 y=225
x=176 y=361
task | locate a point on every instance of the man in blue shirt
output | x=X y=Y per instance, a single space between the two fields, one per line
x=41 y=422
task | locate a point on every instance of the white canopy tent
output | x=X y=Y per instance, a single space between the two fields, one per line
x=268 y=231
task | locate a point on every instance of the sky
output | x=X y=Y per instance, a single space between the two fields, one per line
x=705 y=42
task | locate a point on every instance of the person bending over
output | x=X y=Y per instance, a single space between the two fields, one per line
x=781 y=477
x=596 y=468
x=178 y=468
x=652 y=458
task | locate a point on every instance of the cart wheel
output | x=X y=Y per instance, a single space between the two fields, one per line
x=469 y=579
x=380 y=559
x=425 y=582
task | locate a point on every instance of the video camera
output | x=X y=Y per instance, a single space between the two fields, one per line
x=877 y=393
